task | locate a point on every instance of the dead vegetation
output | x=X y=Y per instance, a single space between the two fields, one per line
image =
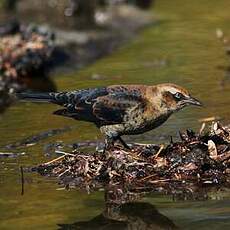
x=24 y=50
x=197 y=161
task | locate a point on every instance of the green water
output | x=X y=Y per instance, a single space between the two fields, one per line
x=180 y=48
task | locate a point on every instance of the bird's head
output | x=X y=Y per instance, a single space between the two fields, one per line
x=174 y=97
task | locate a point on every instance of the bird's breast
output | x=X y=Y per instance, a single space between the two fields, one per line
x=137 y=123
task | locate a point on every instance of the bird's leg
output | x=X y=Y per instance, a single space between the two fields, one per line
x=123 y=142
x=109 y=141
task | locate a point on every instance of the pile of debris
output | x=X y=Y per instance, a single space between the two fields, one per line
x=24 y=52
x=24 y=55
x=194 y=162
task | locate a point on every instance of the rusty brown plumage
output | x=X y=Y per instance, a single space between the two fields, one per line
x=120 y=109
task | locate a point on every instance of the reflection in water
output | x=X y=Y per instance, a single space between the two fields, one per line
x=123 y=212
x=132 y=216
x=34 y=139
x=226 y=80
x=226 y=45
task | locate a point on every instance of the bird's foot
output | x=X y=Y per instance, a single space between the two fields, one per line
x=101 y=148
x=109 y=144
x=124 y=144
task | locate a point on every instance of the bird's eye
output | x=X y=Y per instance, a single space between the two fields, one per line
x=178 y=96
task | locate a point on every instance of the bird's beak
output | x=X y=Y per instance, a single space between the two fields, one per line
x=193 y=101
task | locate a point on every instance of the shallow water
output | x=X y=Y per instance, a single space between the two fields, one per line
x=181 y=48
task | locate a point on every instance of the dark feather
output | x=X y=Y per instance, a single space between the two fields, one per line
x=79 y=104
x=37 y=97
x=112 y=108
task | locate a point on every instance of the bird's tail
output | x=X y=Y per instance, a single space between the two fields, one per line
x=37 y=97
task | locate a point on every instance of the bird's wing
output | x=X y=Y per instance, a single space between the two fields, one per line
x=108 y=105
x=78 y=104
x=112 y=108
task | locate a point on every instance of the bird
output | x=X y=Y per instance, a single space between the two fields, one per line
x=119 y=110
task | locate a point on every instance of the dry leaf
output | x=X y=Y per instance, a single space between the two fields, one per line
x=212 y=150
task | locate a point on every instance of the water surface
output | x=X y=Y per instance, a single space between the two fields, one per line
x=180 y=48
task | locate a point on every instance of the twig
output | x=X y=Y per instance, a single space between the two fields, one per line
x=202 y=128
x=159 y=151
x=209 y=119
x=54 y=160
x=9 y=154
x=147 y=177
x=59 y=158
x=160 y=180
x=65 y=153
x=67 y=170
x=22 y=180
x=141 y=144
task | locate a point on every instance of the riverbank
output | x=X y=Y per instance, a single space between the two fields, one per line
x=115 y=26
